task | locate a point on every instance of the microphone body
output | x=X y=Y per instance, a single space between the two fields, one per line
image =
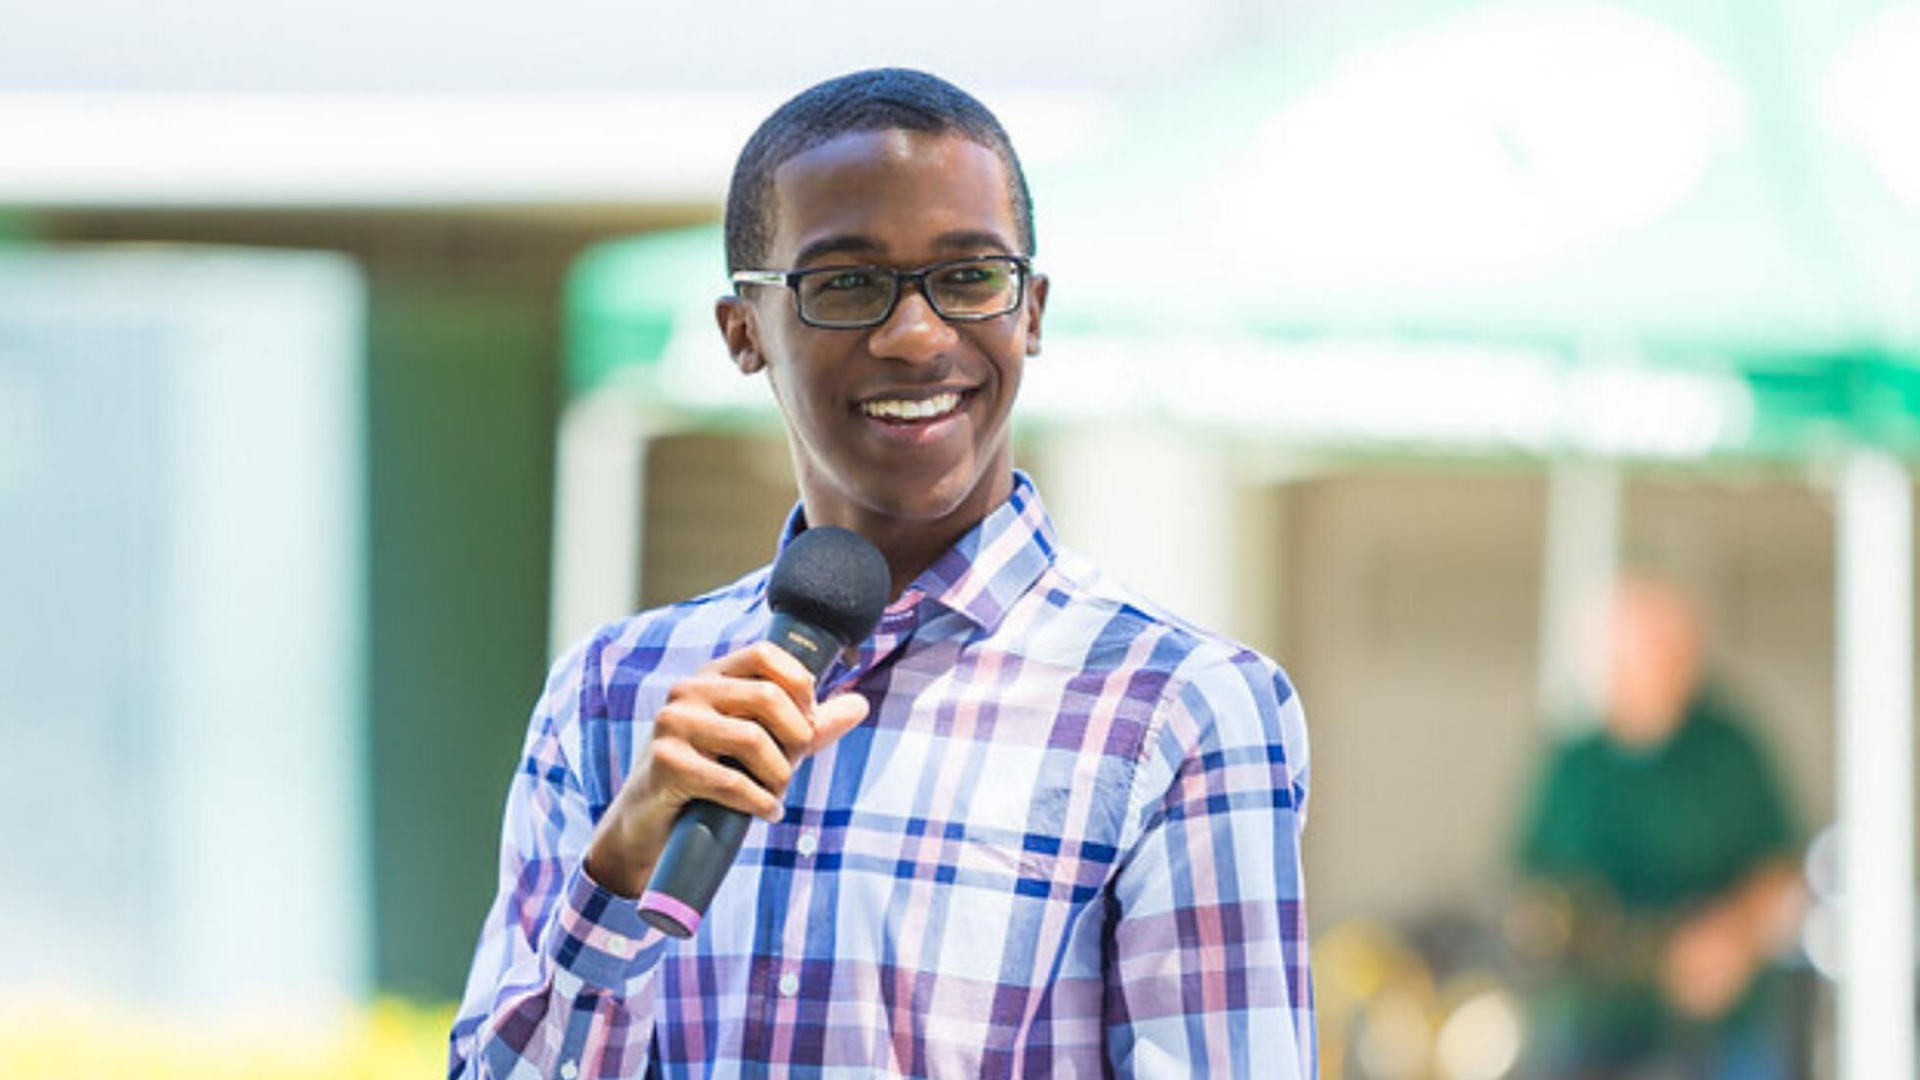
x=827 y=592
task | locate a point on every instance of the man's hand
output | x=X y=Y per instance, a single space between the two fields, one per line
x=1714 y=955
x=754 y=707
x=1708 y=963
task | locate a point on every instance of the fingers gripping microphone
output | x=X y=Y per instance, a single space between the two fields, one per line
x=827 y=591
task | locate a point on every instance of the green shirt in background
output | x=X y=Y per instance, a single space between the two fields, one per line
x=1645 y=837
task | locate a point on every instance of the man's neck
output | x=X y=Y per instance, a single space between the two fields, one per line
x=910 y=545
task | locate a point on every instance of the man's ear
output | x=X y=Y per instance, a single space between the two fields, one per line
x=1036 y=307
x=740 y=328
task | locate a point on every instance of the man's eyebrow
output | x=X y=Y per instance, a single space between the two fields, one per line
x=960 y=240
x=833 y=245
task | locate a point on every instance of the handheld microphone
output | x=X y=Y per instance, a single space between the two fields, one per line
x=827 y=591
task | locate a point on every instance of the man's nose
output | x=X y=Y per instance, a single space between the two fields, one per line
x=914 y=331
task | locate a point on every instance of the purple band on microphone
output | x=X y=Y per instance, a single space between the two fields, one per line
x=671 y=908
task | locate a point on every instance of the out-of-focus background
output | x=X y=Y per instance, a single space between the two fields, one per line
x=356 y=357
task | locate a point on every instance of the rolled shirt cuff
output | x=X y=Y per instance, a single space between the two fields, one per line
x=600 y=937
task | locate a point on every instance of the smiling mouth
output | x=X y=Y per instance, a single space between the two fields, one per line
x=913 y=410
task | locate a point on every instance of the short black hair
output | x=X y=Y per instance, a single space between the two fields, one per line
x=882 y=99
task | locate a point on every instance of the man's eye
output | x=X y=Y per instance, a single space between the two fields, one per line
x=974 y=276
x=848 y=279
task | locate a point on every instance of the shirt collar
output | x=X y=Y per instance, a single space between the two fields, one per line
x=988 y=568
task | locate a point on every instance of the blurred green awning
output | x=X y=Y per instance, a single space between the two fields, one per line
x=1633 y=229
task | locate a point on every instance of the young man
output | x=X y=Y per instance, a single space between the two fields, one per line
x=1033 y=828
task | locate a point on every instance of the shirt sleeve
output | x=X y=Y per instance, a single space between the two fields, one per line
x=1207 y=972
x=562 y=983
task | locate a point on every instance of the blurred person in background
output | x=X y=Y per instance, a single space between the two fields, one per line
x=1668 y=845
x=1033 y=826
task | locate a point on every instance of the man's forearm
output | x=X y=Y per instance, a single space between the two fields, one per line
x=1767 y=904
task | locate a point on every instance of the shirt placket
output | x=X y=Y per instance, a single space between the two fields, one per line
x=896 y=626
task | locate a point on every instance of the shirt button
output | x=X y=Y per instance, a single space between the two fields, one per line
x=808 y=843
x=569 y=1071
x=789 y=986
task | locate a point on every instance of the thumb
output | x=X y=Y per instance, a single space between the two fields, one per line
x=835 y=717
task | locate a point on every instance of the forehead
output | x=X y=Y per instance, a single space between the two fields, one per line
x=894 y=192
x=1649 y=609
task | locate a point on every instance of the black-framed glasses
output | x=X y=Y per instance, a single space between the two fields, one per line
x=855 y=297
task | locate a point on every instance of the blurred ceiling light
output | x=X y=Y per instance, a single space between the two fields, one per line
x=1490 y=143
x=1438 y=395
x=72 y=149
x=1820 y=939
x=1480 y=1040
x=1650 y=412
x=1822 y=865
x=1363 y=390
x=1869 y=95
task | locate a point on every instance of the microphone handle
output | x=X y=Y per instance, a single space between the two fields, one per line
x=706 y=836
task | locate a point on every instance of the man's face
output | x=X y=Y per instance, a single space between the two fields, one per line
x=865 y=456
x=1654 y=656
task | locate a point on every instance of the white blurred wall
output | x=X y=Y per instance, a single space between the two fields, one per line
x=181 y=642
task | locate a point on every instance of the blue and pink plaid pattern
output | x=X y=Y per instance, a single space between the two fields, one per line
x=1065 y=843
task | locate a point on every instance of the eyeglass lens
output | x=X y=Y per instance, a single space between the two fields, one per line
x=973 y=288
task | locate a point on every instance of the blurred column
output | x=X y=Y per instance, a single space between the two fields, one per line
x=599 y=512
x=182 y=667
x=1582 y=554
x=1875 y=642
x=1152 y=506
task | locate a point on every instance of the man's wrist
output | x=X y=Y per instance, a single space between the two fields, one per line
x=625 y=846
x=605 y=867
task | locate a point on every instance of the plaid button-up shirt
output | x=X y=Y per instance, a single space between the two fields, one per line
x=1064 y=843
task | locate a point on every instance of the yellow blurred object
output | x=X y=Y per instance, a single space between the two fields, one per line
x=1395 y=1039
x=1386 y=1014
x=71 y=1040
x=1372 y=994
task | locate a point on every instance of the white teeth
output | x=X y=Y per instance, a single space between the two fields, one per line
x=920 y=409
